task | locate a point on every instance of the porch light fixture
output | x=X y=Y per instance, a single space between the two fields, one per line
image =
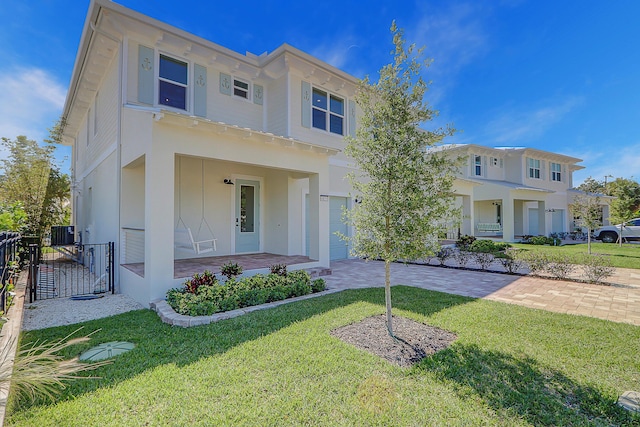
x=550 y=210
x=228 y=181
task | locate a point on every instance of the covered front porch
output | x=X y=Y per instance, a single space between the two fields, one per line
x=183 y=268
x=507 y=211
x=207 y=194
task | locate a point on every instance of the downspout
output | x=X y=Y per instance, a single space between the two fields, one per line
x=118 y=146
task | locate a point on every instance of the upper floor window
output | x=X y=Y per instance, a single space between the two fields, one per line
x=241 y=88
x=477 y=162
x=172 y=82
x=556 y=174
x=327 y=112
x=534 y=168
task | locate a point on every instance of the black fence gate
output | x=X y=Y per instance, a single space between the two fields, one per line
x=9 y=264
x=77 y=270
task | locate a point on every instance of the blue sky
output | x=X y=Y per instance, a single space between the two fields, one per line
x=556 y=76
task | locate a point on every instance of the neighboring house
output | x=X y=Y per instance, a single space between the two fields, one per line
x=521 y=191
x=174 y=134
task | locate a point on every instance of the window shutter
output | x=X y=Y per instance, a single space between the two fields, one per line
x=564 y=173
x=484 y=166
x=472 y=165
x=200 y=91
x=352 y=118
x=145 y=74
x=543 y=170
x=306 y=104
x=258 y=94
x=225 y=84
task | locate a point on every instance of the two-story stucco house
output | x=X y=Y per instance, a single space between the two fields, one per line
x=521 y=191
x=177 y=140
x=183 y=149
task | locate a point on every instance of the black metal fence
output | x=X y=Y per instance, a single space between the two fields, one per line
x=77 y=270
x=9 y=264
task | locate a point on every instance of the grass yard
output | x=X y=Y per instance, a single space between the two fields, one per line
x=627 y=256
x=510 y=366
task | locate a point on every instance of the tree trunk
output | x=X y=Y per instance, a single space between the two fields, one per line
x=589 y=241
x=387 y=296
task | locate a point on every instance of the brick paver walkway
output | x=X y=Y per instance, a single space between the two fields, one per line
x=618 y=303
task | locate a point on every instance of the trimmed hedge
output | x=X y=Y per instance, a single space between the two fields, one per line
x=196 y=298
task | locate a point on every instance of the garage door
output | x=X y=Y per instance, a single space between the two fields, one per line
x=337 y=247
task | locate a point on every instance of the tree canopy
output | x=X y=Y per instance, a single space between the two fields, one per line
x=33 y=184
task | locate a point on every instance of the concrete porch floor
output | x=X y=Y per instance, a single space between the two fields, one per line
x=183 y=268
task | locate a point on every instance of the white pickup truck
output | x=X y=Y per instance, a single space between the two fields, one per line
x=609 y=233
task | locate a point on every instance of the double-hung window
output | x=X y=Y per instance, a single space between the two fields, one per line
x=477 y=162
x=556 y=174
x=327 y=112
x=172 y=82
x=534 y=168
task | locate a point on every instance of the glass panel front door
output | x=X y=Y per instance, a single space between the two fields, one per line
x=247 y=221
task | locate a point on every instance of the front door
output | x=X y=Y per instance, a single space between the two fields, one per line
x=247 y=221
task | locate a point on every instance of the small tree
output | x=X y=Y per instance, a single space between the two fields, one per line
x=405 y=191
x=626 y=204
x=586 y=206
x=32 y=179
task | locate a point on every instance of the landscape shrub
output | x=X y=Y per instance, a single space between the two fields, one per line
x=465 y=241
x=511 y=261
x=318 y=285
x=197 y=280
x=279 y=269
x=488 y=246
x=560 y=265
x=535 y=261
x=231 y=270
x=236 y=293
x=596 y=267
x=444 y=254
x=462 y=257
x=484 y=259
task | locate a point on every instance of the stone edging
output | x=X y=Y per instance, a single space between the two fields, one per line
x=11 y=332
x=168 y=315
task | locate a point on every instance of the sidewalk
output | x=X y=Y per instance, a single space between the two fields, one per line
x=616 y=303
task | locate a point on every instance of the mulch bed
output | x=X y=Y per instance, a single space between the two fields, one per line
x=415 y=340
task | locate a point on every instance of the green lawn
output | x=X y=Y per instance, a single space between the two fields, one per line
x=627 y=256
x=509 y=366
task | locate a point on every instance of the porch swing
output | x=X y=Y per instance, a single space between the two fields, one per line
x=183 y=237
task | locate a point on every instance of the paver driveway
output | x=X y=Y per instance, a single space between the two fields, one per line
x=619 y=303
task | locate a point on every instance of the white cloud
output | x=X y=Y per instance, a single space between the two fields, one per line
x=623 y=162
x=516 y=126
x=32 y=99
x=454 y=37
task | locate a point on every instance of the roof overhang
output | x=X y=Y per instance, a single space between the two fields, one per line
x=179 y=119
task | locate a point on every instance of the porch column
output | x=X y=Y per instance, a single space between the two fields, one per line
x=319 y=218
x=467 y=216
x=542 y=219
x=159 y=208
x=508 y=234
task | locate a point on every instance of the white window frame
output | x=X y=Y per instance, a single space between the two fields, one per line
x=234 y=87
x=556 y=175
x=187 y=92
x=477 y=165
x=328 y=113
x=533 y=168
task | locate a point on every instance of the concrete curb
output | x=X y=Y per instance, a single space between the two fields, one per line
x=10 y=334
x=169 y=316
